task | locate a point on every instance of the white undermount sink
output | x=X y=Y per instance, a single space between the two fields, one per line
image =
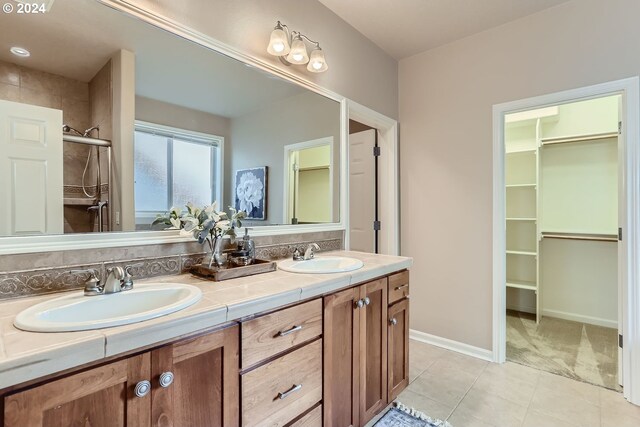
x=321 y=265
x=77 y=312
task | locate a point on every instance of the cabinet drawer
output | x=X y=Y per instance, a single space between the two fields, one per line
x=398 y=286
x=268 y=335
x=281 y=390
x=312 y=419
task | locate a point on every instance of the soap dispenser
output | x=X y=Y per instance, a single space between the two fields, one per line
x=249 y=245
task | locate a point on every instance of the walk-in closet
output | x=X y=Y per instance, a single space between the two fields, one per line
x=561 y=174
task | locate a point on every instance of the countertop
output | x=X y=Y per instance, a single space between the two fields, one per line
x=26 y=356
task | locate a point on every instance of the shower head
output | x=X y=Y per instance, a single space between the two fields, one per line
x=69 y=129
x=91 y=129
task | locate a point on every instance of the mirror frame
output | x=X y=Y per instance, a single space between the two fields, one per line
x=47 y=243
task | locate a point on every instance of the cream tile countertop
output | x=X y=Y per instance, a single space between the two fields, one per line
x=29 y=355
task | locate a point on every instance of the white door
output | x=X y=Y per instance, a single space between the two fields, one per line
x=362 y=191
x=30 y=170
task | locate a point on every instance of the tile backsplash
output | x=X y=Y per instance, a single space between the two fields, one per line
x=25 y=275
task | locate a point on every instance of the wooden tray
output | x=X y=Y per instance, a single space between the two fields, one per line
x=218 y=274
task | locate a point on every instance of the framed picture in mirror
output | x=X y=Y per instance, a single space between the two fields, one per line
x=251 y=192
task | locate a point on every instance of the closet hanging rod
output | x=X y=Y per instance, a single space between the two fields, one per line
x=578 y=138
x=581 y=236
x=86 y=140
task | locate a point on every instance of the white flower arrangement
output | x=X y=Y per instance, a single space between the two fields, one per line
x=204 y=224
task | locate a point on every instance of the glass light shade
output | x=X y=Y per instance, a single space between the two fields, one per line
x=278 y=43
x=317 y=63
x=298 y=54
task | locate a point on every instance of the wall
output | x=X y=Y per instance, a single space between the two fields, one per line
x=446 y=99
x=259 y=139
x=358 y=69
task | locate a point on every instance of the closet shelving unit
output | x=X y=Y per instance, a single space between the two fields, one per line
x=521 y=179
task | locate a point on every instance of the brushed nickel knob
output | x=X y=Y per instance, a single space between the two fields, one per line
x=142 y=388
x=393 y=321
x=359 y=303
x=367 y=301
x=166 y=378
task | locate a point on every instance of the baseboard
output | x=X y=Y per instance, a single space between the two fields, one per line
x=580 y=318
x=456 y=346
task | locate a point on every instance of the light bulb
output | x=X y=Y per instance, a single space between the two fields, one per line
x=298 y=54
x=317 y=63
x=278 y=43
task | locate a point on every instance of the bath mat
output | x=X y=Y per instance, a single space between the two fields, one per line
x=403 y=416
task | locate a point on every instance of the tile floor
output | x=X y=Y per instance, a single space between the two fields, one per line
x=469 y=392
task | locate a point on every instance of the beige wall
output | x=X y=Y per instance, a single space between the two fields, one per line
x=446 y=98
x=358 y=69
x=259 y=139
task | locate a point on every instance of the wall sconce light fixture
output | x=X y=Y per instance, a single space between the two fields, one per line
x=290 y=47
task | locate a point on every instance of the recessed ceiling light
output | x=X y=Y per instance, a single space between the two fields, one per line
x=20 y=51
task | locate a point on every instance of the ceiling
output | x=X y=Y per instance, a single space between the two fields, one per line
x=77 y=37
x=406 y=27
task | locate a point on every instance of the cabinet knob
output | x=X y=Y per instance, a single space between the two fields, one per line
x=166 y=378
x=359 y=303
x=393 y=321
x=367 y=301
x=142 y=388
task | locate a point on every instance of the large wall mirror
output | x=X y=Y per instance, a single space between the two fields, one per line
x=202 y=127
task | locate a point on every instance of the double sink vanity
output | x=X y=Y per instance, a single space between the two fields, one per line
x=321 y=342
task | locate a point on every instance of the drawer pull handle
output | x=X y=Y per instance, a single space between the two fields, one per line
x=393 y=321
x=293 y=389
x=166 y=378
x=290 y=331
x=142 y=388
x=397 y=288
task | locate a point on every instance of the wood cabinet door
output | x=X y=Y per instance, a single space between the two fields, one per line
x=398 y=356
x=99 y=397
x=196 y=382
x=341 y=359
x=373 y=349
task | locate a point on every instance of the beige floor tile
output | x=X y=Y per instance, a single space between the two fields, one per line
x=562 y=403
x=424 y=404
x=492 y=409
x=446 y=385
x=457 y=361
x=616 y=411
x=513 y=370
x=578 y=389
x=537 y=419
x=463 y=419
x=511 y=388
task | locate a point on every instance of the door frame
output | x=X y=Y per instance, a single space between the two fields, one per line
x=288 y=149
x=629 y=267
x=388 y=176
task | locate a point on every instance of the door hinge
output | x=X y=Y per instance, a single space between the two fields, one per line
x=620 y=234
x=376 y=151
x=620 y=128
x=620 y=340
x=376 y=225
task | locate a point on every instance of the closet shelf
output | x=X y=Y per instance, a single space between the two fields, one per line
x=527 y=253
x=524 y=150
x=578 y=138
x=522 y=219
x=521 y=284
x=520 y=185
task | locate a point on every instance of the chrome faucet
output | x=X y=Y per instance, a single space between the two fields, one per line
x=114 y=282
x=309 y=252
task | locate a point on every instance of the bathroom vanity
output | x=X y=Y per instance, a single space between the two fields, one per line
x=280 y=349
